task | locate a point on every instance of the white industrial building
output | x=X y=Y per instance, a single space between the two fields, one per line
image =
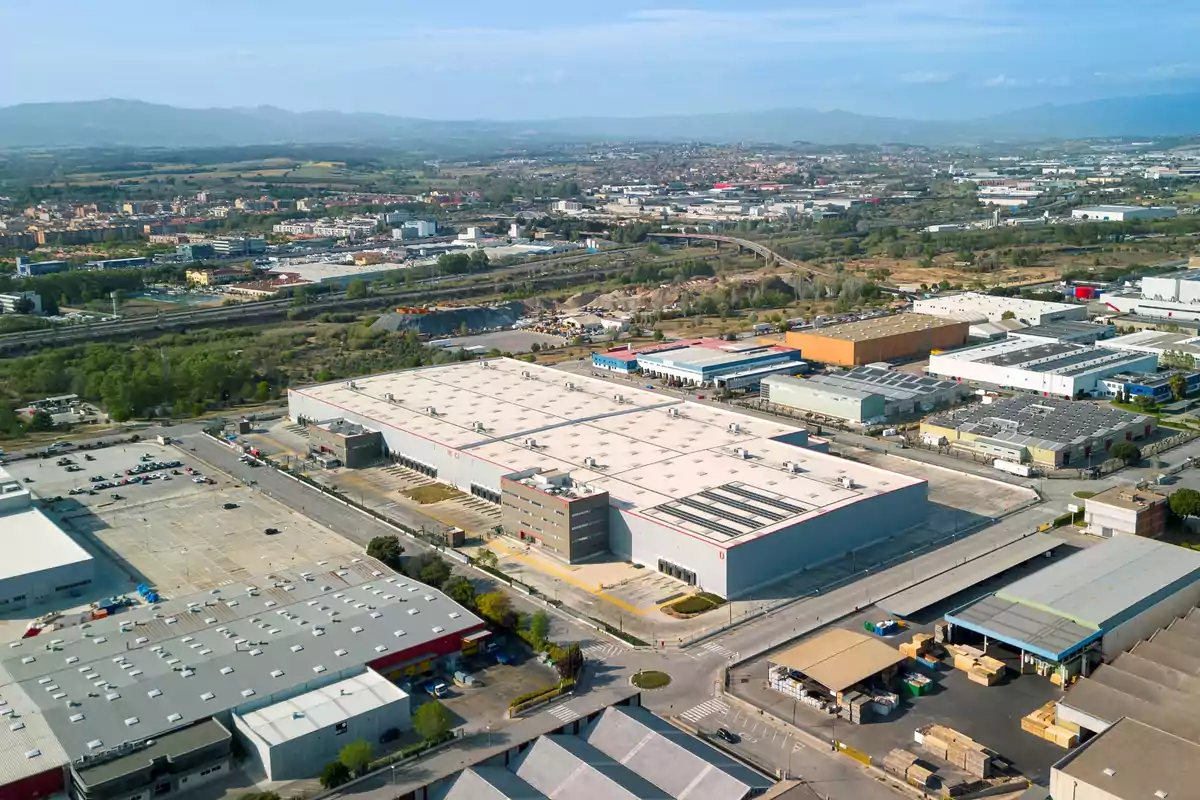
x=1158 y=343
x=1122 y=213
x=1055 y=369
x=731 y=501
x=975 y=306
x=293 y=739
x=1173 y=296
x=863 y=394
x=40 y=561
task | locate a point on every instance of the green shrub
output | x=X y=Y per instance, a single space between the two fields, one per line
x=545 y=692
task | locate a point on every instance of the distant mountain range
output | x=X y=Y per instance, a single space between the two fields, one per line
x=134 y=123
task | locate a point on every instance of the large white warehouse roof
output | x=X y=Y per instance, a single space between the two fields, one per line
x=649 y=451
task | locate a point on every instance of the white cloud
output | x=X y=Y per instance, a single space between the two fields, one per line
x=1000 y=81
x=926 y=76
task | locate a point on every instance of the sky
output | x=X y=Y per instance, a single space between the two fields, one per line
x=542 y=59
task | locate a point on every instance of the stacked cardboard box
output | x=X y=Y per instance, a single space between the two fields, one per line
x=978 y=674
x=920 y=645
x=898 y=761
x=1037 y=721
x=941 y=632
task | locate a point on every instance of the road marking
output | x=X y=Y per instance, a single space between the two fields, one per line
x=699 y=712
x=601 y=651
x=713 y=647
x=797 y=748
x=563 y=713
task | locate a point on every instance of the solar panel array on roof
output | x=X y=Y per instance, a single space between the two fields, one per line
x=1038 y=421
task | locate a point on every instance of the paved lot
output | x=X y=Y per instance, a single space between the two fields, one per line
x=175 y=534
x=486 y=706
x=508 y=341
x=990 y=715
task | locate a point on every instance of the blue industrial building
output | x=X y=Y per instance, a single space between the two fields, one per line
x=1155 y=385
x=706 y=363
x=1087 y=608
x=26 y=269
x=119 y=263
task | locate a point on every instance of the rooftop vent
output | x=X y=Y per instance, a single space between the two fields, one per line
x=531 y=442
x=174 y=717
x=526 y=374
x=741 y=452
x=431 y=411
x=570 y=386
x=673 y=412
x=589 y=461
x=792 y=466
x=846 y=482
x=619 y=398
x=1110 y=772
x=391 y=398
x=477 y=426
x=735 y=427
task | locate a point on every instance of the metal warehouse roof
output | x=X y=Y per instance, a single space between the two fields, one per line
x=838 y=658
x=624 y=752
x=1034 y=629
x=147 y=671
x=1132 y=760
x=170 y=745
x=865 y=330
x=323 y=707
x=1106 y=584
x=964 y=576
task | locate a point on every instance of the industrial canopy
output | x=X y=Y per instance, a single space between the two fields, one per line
x=838 y=659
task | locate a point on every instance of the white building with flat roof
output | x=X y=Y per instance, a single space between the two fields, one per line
x=1172 y=296
x=976 y=306
x=734 y=501
x=40 y=562
x=1057 y=369
x=1116 y=213
x=295 y=738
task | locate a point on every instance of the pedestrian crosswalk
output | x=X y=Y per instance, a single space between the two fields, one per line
x=713 y=647
x=564 y=714
x=601 y=651
x=699 y=712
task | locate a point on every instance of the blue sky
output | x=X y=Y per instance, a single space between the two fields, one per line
x=532 y=59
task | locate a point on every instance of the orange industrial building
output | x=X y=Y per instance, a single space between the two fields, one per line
x=892 y=338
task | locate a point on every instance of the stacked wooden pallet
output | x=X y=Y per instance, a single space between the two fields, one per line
x=898 y=761
x=1041 y=724
x=980 y=668
x=920 y=645
x=957 y=748
x=918 y=775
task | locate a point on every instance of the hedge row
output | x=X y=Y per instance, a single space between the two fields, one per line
x=546 y=692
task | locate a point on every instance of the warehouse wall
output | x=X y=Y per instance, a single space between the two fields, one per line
x=820 y=348
x=1159 y=615
x=816 y=346
x=808 y=396
x=824 y=538
x=645 y=541
x=37 y=587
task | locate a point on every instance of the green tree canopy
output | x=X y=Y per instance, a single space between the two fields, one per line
x=432 y=720
x=356 y=756
x=334 y=774
x=387 y=549
x=1185 y=502
x=356 y=289
x=1128 y=452
x=539 y=625
x=494 y=606
x=460 y=589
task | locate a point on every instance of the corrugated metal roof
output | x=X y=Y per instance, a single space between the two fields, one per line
x=1133 y=761
x=679 y=764
x=490 y=783
x=1102 y=585
x=565 y=768
x=27 y=745
x=1034 y=629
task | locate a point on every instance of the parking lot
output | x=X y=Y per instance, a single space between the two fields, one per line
x=506 y=341
x=486 y=705
x=174 y=531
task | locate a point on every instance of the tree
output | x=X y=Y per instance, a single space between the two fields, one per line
x=494 y=607
x=464 y=329
x=435 y=573
x=432 y=720
x=1185 y=502
x=1008 y=315
x=23 y=305
x=386 y=549
x=569 y=666
x=262 y=392
x=356 y=756
x=479 y=260
x=535 y=347
x=460 y=589
x=487 y=558
x=1178 y=385
x=658 y=335
x=539 y=626
x=356 y=289
x=1128 y=452
x=41 y=421
x=335 y=774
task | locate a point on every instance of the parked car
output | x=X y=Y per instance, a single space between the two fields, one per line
x=270 y=531
x=229 y=506
x=727 y=735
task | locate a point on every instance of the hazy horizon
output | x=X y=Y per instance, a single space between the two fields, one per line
x=630 y=58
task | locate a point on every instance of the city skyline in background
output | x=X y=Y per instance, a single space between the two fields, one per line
x=541 y=60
